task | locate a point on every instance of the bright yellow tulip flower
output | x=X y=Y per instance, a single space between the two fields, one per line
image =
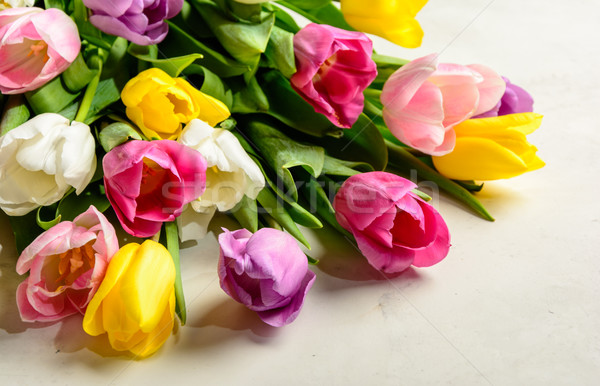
x=160 y=105
x=393 y=20
x=135 y=303
x=492 y=148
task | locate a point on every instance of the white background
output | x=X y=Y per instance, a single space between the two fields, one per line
x=516 y=302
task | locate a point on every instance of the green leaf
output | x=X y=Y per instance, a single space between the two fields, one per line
x=289 y=107
x=50 y=98
x=386 y=66
x=243 y=41
x=211 y=84
x=171 y=65
x=117 y=133
x=173 y=248
x=15 y=113
x=248 y=97
x=403 y=162
x=60 y=4
x=298 y=213
x=77 y=75
x=246 y=213
x=241 y=11
x=309 y=4
x=178 y=43
x=25 y=229
x=325 y=14
x=361 y=143
x=280 y=51
x=45 y=225
x=274 y=208
x=72 y=205
x=106 y=94
x=282 y=19
x=282 y=153
x=317 y=196
x=338 y=167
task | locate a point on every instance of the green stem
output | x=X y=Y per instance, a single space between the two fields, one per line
x=88 y=97
x=404 y=162
x=372 y=93
x=173 y=248
x=384 y=60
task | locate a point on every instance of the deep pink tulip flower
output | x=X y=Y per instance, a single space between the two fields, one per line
x=334 y=67
x=149 y=182
x=393 y=227
x=36 y=45
x=424 y=99
x=265 y=271
x=66 y=265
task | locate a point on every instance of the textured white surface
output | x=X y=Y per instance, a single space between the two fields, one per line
x=517 y=302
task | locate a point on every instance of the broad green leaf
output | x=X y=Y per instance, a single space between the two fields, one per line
x=211 y=84
x=25 y=229
x=280 y=51
x=244 y=41
x=178 y=43
x=282 y=153
x=171 y=65
x=73 y=205
x=15 y=113
x=308 y=4
x=274 y=208
x=386 y=66
x=326 y=14
x=117 y=133
x=287 y=105
x=338 y=167
x=283 y=19
x=77 y=75
x=248 y=97
x=318 y=198
x=106 y=94
x=241 y=11
x=246 y=213
x=60 y=4
x=46 y=224
x=298 y=212
x=50 y=98
x=361 y=143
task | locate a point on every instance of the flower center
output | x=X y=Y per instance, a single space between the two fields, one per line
x=153 y=176
x=324 y=68
x=39 y=48
x=74 y=263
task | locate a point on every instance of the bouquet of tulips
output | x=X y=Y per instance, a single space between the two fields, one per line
x=154 y=115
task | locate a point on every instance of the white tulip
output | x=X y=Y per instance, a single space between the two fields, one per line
x=41 y=160
x=230 y=175
x=5 y=4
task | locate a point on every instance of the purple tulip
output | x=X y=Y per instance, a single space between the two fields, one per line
x=265 y=271
x=139 y=21
x=515 y=100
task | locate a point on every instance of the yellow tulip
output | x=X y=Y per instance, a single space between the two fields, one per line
x=160 y=105
x=492 y=148
x=393 y=20
x=135 y=302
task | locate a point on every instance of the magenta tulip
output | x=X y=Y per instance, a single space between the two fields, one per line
x=148 y=183
x=66 y=265
x=423 y=100
x=265 y=271
x=334 y=67
x=36 y=45
x=139 y=21
x=392 y=226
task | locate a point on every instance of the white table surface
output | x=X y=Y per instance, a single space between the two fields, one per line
x=516 y=302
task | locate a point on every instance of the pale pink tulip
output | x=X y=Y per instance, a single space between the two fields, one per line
x=36 y=45
x=393 y=227
x=423 y=100
x=66 y=265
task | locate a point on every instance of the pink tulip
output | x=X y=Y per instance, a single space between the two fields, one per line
x=423 y=100
x=265 y=271
x=66 y=265
x=392 y=226
x=334 y=67
x=148 y=183
x=36 y=45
